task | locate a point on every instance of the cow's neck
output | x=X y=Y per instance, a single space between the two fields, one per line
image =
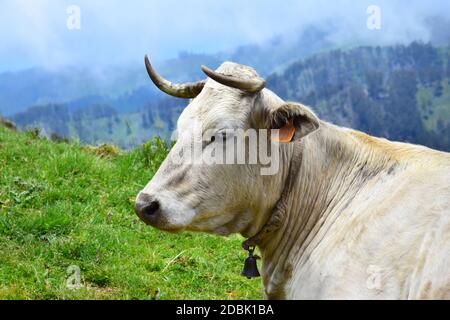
x=335 y=164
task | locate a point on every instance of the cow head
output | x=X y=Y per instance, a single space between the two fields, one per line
x=190 y=193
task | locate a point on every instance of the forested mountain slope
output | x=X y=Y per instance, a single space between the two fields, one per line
x=401 y=93
x=398 y=92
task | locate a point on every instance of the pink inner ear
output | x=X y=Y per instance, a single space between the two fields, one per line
x=287 y=132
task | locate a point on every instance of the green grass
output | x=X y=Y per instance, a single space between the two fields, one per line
x=64 y=205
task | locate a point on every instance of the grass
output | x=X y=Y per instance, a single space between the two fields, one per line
x=65 y=207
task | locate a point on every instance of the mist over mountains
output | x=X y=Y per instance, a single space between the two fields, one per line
x=385 y=86
x=398 y=92
x=125 y=87
x=118 y=84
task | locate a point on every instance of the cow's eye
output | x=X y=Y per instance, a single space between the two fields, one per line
x=220 y=136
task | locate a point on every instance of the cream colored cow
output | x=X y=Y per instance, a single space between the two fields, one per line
x=347 y=215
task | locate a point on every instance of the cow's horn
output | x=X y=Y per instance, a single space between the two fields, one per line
x=252 y=86
x=185 y=90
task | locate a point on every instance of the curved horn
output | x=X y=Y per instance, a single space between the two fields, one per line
x=185 y=90
x=252 y=86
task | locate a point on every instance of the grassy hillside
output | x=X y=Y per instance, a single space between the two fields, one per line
x=65 y=206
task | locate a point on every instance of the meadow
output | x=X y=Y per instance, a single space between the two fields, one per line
x=68 y=229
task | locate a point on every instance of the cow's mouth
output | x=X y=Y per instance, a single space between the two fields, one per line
x=169 y=229
x=159 y=222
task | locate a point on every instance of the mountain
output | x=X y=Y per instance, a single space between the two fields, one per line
x=128 y=89
x=399 y=92
x=27 y=88
x=102 y=123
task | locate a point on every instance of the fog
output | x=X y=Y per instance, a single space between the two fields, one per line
x=34 y=33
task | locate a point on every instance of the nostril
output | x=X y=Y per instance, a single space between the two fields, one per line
x=146 y=206
x=151 y=209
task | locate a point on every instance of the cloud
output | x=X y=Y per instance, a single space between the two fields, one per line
x=34 y=32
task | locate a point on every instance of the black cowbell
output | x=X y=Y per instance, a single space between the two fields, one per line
x=250 y=268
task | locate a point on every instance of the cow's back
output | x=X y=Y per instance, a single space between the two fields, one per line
x=391 y=241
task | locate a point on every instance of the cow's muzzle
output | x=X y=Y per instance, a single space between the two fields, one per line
x=148 y=209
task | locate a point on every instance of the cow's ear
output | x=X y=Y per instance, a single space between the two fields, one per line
x=294 y=121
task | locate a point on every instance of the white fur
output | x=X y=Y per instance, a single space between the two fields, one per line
x=367 y=218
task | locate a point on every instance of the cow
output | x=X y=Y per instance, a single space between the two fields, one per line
x=346 y=216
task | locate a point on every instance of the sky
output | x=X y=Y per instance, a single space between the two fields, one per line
x=35 y=33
